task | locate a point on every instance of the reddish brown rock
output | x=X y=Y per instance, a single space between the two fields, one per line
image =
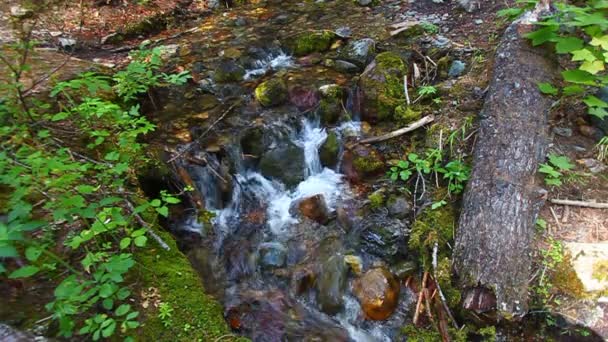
x=314 y=208
x=303 y=98
x=362 y=162
x=378 y=292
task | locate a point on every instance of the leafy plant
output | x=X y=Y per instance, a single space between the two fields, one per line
x=602 y=149
x=164 y=313
x=427 y=90
x=56 y=192
x=579 y=31
x=456 y=173
x=555 y=168
x=429 y=27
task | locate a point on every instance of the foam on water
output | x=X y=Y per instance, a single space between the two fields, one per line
x=271 y=62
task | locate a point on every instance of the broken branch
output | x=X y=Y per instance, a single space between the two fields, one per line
x=586 y=204
x=413 y=126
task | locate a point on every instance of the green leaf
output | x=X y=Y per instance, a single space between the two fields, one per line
x=112 y=156
x=123 y=293
x=601 y=113
x=592 y=67
x=107 y=303
x=132 y=315
x=86 y=189
x=593 y=101
x=140 y=241
x=8 y=251
x=106 y=290
x=155 y=203
x=32 y=253
x=568 y=44
x=24 y=272
x=561 y=162
x=553 y=181
x=600 y=41
x=583 y=55
x=122 y=310
x=125 y=242
x=543 y=35
x=549 y=170
x=547 y=88
x=164 y=211
x=578 y=77
x=573 y=90
x=109 y=330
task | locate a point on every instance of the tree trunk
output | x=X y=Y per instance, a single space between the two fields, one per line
x=502 y=198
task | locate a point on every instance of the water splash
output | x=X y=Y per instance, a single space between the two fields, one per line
x=276 y=61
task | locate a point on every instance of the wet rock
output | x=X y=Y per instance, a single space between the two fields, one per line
x=347 y=215
x=331 y=284
x=253 y=142
x=272 y=254
x=344 y=32
x=343 y=66
x=302 y=279
x=303 y=98
x=310 y=42
x=378 y=292
x=314 y=208
x=382 y=87
x=398 y=206
x=355 y=263
x=362 y=162
x=359 y=52
x=384 y=237
x=272 y=92
x=284 y=163
x=404 y=269
x=330 y=106
x=329 y=150
x=456 y=69
x=469 y=5
x=228 y=71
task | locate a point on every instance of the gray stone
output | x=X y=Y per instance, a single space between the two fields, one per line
x=385 y=237
x=67 y=43
x=345 y=67
x=478 y=21
x=20 y=12
x=344 y=32
x=563 y=131
x=441 y=42
x=364 y=2
x=398 y=206
x=331 y=284
x=457 y=68
x=359 y=52
x=469 y=5
x=284 y=163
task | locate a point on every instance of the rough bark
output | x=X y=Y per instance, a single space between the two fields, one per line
x=502 y=198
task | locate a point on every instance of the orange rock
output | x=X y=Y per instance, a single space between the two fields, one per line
x=378 y=293
x=314 y=208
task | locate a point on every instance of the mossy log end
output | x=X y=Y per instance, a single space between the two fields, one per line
x=503 y=196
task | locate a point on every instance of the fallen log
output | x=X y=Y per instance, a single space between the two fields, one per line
x=502 y=198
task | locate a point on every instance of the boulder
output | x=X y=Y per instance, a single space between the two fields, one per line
x=331 y=284
x=359 y=52
x=228 y=71
x=330 y=107
x=362 y=162
x=378 y=293
x=382 y=87
x=314 y=208
x=272 y=254
x=385 y=237
x=272 y=92
x=284 y=163
x=330 y=150
x=310 y=42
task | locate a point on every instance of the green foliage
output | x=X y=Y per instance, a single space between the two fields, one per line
x=550 y=259
x=427 y=90
x=77 y=195
x=579 y=31
x=602 y=149
x=429 y=27
x=555 y=168
x=455 y=171
x=165 y=312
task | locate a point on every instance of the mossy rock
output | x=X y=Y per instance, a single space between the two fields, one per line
x=228 y=71
x=368 y=163
x=328 y=153
x=432 y=226
x=376 y=199
x=272 y=92
x=311 y=42
x=167 y=277
x=382 y=87
x=405 y=114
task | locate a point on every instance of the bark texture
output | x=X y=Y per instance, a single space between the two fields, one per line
x=502 y=198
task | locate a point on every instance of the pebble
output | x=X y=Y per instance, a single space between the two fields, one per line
x=478 y=21
x=563 y=131
x=457 y=68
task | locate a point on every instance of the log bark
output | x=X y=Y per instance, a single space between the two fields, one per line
x=502 y=198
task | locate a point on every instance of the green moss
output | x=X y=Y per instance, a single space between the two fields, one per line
x=167 y=277
x=444 y=278
x=272 y=92
x=329 y=110
x=369 y=164
x=434 y=133
x=430 y=227
x=310 y=42
x=565 y=280
x=389 y=60
x=405 y=114
x=443 y=66
x=488 y=333
x=376 y=199
x=415 y=334
x=328 y=153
